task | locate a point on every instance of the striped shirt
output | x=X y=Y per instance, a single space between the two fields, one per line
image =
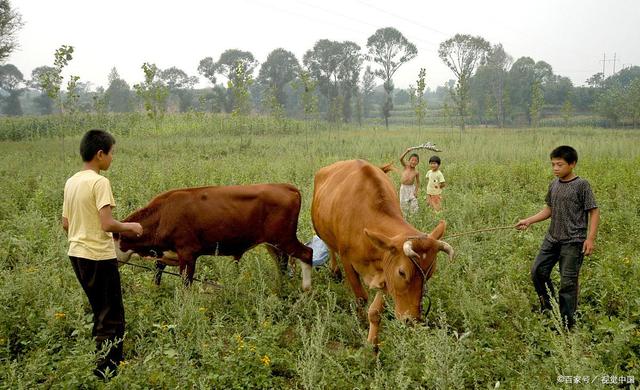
x=570 y=202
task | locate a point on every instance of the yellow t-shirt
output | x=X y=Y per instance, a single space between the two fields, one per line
x=85 y=193
x=433 y=182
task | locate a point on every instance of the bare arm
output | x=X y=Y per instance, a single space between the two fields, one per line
x=404 y=164
x=65 y=224
x=111 y=225
x=417 y=184
x=594 y=220
x=543 y=214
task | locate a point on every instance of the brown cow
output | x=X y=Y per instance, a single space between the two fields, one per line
x=219 y=220
x=356 y=211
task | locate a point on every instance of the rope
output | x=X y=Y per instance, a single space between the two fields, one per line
x=480 y=231
x=214 y=284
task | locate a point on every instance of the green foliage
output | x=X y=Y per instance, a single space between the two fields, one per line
x=10 y=24
x=153 y=93
x=51 y=80
x=260 y=330
x=462 y=54
x=239 y=87
x=567 y=112
x=537 y=101
x=418 y=103
x=309 y=102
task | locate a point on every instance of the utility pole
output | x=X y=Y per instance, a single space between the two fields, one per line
x=614 y=63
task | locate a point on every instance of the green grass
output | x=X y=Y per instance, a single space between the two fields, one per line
x=483 y=327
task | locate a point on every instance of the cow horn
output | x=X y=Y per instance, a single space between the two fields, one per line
x=408 y=249
x=443 y=246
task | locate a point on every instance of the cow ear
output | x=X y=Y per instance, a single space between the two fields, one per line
x=438 y=232
x=380 y=240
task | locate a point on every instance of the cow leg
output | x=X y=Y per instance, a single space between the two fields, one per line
x=187 y=266
x=304 y=254
x=374 y=319
x=279 y=257
x=356 y=284
x=333 y=265
x=160 y=266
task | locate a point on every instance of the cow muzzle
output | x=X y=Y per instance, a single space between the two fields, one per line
x=123 y=257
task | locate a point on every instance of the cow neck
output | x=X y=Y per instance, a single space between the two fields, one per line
x=392 y=227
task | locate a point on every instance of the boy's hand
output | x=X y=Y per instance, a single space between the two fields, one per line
x=587 y=247
x=135 y=228
x=523 y=224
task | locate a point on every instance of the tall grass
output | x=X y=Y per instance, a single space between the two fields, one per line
x=483 y=329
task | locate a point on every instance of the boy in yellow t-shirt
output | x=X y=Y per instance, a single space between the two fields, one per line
x=435 y=184
x=88 y=221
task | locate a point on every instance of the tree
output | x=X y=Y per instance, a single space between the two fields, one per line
x=348 y=74
x=208 y=69
x=567 y=111
x=51 y=81
x=11 y=80
x=418 y=103
x=390 y=50
x=153 y=93
x=239 y=85
x=180 y=84
x=322 y=62
x=633 y=101
x=226 y=66
x=307 y=84
x=10 y=23
x=537 y=101
x=498 y=63
x=596 y=81
x=462 y=54
x=368 y=85
x=524 y=73
x=280 y=68
x=43 y=101
x=118 y=93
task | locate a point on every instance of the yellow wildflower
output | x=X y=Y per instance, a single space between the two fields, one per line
x=60 y=315
x=265 y=360
x=202 y=309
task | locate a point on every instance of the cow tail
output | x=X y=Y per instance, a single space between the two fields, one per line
x=388 y=168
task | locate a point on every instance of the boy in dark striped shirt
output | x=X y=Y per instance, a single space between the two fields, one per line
x=574 y=223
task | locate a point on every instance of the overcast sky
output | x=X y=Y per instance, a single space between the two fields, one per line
x=571 y=35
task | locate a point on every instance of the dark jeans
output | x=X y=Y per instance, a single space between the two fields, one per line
x=570 y=257
x=100 y=280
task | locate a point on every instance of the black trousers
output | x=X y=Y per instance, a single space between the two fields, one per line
x=100 y=281
x=570 y=257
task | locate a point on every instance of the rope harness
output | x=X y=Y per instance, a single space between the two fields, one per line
x=213 y=284
x=424 y=274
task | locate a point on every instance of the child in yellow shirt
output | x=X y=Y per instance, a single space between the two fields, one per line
x=435 y=184
x=88 y=221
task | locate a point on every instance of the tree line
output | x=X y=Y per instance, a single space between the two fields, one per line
x=335 y=81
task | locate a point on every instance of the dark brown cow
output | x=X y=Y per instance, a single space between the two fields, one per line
x=356 y=212
x=219 y=220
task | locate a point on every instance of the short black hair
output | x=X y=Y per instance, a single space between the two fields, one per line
x=567 y=153
x=414 y=155
x=434 y=159
x=93 y=141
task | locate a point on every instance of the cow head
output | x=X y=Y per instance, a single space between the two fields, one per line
x=407 y=262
